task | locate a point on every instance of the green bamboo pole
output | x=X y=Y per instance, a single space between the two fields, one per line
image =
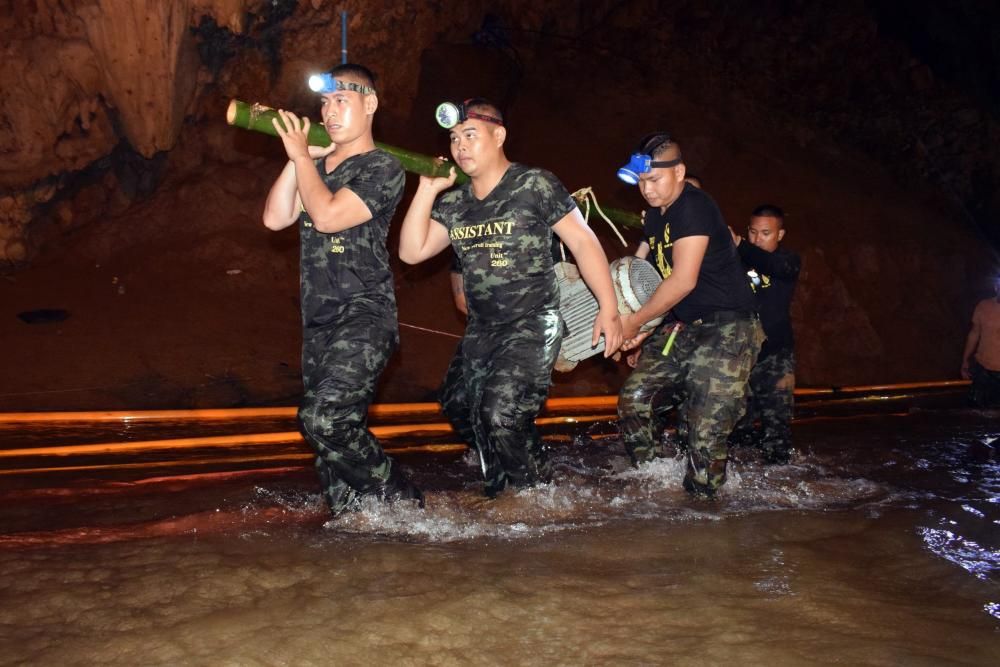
x=258 y=118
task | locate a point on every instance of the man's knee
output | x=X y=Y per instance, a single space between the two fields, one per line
x=329 y=419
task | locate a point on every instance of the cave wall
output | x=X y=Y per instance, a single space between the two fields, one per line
x=887 y=169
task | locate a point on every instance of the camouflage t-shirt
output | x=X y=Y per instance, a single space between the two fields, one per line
x=503 y=242
x=353 y=263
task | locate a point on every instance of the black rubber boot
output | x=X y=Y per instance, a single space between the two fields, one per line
x=399 y=487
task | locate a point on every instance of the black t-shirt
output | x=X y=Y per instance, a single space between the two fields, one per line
x=503 y=242
x=354 y=263
x=722 y=281
x=773 y=276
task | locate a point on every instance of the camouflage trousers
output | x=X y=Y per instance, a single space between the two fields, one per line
x=985 y=389
x=495 y=386
x=708 y=367
x=770 y=400
x=341 y=364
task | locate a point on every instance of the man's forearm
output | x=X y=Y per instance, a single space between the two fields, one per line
x=594 y=268
x=416 y=226
x=313 y=191
x=279 y=208
x=970 y=346
x=667 y=295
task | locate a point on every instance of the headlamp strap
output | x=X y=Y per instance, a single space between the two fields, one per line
x=350 y=85
x=666 y=163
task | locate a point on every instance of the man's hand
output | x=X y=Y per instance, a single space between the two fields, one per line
x=438 y=184
x=294 y=134
x=608 y=323
x=966 y=372
x=736 y=237
x=633 y=359
x=316 y=152
x=632 y=337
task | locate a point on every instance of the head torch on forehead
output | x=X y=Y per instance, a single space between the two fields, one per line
x=640 y=163
x=325 y=84
x=449 y=114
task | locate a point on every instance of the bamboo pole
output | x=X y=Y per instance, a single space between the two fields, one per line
x=258 y=118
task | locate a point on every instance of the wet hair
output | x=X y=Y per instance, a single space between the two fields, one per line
x=483 y=106
x=769 y=211
x=366 y=76
x=657 y=144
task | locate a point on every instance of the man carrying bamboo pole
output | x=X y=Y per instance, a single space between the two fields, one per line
x=500 y=225
x=343 y=198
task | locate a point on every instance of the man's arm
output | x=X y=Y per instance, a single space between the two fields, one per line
x=689 y=252
x=971 y=343
x=458 y=291
x=593 y=265
x=420 y=237
x=779 y=265
x=642 y=252
x=282 y=206
x=330 y=211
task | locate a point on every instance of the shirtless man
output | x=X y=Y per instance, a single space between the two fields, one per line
x=981 y=358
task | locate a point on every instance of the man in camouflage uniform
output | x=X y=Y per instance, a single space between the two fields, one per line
x=500 y=225
x=773 y=272
x=343 y=199
x=716 y=334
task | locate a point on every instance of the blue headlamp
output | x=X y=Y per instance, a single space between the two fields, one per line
x=640 y=163
x=325 y=84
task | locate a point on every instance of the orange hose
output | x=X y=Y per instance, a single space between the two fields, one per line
x=387 y=410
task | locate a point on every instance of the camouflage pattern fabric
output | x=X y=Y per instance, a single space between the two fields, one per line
x=340 y=369
x=498 y=381
x=770 y=400
x=503 y=242
x=338 y=267
x=708 y=365
x=985 y=389
x=495 y=387
x=350 y=332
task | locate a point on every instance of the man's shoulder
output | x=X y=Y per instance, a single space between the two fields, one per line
x=988 y=308
x=532 y=177
x=383 y=159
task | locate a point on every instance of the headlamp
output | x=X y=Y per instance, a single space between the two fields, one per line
x=325 y=84
x=449 y=114
x=640 y=163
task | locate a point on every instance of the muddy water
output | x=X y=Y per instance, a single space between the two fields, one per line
x=879 y=544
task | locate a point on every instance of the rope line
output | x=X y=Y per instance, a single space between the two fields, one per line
x=586 y=195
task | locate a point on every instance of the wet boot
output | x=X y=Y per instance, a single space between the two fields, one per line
x=399 y=487
x=777 y=453
x=701 y=480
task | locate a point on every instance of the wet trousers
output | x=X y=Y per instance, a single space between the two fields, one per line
x=341 y=364
x=770 y=399
x=985 y=389
x=708 y=366
x=495 y=386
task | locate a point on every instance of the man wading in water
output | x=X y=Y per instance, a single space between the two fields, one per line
x=500 y=225
x=343 y=202
x=705 y=354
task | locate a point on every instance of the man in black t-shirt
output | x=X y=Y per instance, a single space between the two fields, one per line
x=343 y=199
x=500 y=225
x=773 y=273
x=705 y=353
